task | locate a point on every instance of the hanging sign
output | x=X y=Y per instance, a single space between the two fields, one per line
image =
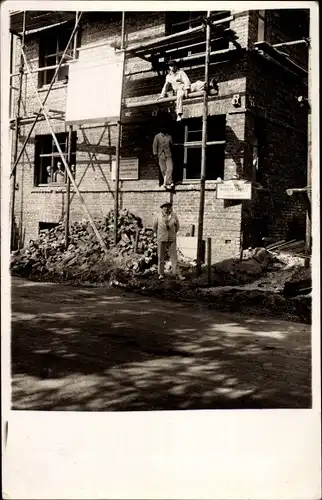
x=234 y=190
x=129 y=169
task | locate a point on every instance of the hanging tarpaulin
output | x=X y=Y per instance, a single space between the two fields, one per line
x=95 y=86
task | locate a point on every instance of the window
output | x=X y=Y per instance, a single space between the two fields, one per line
x=51 y=48
x=181 y=21
x=261 y=26
x=46 y=226
x=215 y=152
x=49 y=168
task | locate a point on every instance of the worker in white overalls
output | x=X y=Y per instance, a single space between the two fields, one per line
x=181 y=85
x=162 y=152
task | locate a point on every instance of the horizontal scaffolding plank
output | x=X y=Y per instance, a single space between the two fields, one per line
x=292 y=42
x=37 y=20
x=44 y=68
x=164 y=41
x=155 y=102
x=280 y=58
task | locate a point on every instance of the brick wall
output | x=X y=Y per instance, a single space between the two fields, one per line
x=272 y=99
x=96 y=144
x=272 y=96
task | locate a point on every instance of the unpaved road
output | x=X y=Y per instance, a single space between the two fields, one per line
x=102 y=349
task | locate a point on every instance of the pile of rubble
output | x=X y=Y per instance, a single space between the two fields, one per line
x=269 y=280
x=48 y=257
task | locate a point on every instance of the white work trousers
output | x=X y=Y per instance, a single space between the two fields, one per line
x=166 y=167
x=163 y=246
x=197 y=86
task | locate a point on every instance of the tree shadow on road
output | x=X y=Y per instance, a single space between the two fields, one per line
x=102 y=350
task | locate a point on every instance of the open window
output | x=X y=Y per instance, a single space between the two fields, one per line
x=49 y=168
x=51 y=47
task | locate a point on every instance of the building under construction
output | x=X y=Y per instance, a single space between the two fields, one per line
x=84 y=95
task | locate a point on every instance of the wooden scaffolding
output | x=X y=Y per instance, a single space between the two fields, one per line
x=157 y=52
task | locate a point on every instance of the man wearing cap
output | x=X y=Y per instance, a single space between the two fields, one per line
x=166 y=226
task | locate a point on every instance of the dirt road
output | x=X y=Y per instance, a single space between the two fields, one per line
x=102 y=349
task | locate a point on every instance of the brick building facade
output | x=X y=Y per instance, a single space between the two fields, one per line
x=265 y=135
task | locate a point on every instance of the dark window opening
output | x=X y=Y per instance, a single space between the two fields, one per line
x=46 y=226
x=215 y=151
x=49 y=168
x=52 y=45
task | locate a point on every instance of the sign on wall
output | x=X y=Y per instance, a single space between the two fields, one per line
x=234 y=190
x=129 y=169
x=94 y=86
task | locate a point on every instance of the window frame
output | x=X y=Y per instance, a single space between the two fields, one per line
x=199 y=46
x=53 y=156
x=45 y=76
x=198 y=145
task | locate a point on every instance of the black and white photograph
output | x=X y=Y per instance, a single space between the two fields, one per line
x=160 y=208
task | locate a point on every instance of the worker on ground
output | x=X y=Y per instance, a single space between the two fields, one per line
x=162 y=152
x=59 y=174
x=166 y=226
x=181 y=85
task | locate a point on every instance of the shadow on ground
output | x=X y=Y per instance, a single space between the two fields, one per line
x=100 y=350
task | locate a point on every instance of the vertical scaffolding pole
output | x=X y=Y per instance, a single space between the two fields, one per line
x=69 y=156
x=11 y=93
x=118 y=143
x=69 y=149
x=308 y=232
x=203 y=150
x=17 y=132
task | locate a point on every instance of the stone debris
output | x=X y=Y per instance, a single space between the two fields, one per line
x=263 y=280
x=135 y=252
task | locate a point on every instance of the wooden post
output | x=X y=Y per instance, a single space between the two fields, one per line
x=17 y=133
x=118 y=144
x=209 y=260
x=69 y=149
x=203 y=150
x=308 y=231
x=69 y=157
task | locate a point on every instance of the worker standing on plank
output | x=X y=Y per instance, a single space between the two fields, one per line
x=181 y=85
x=162 y=152
x=166 y=226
